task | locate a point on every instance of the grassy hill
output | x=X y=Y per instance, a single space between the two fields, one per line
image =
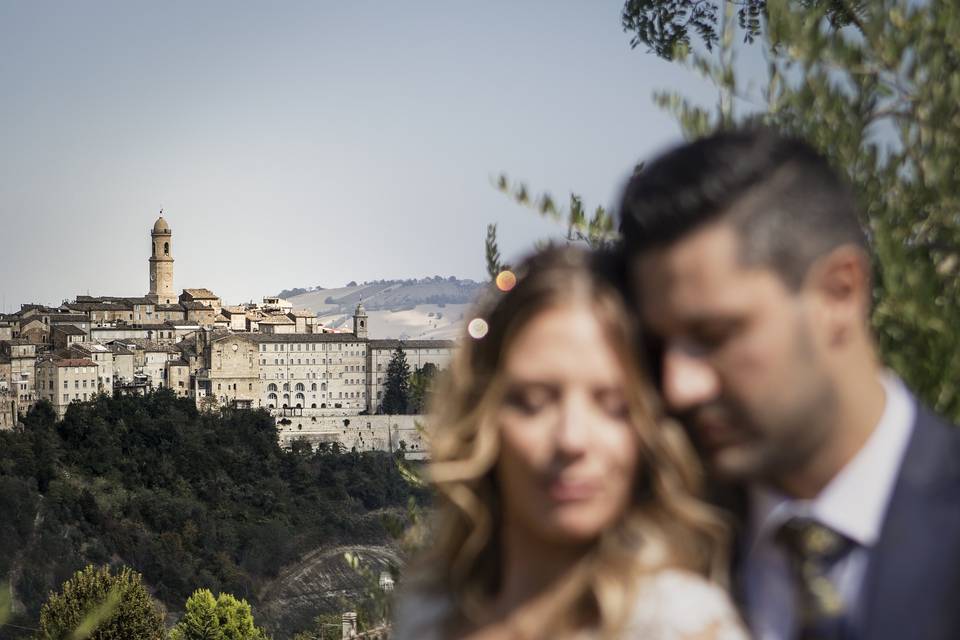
x=408 y=309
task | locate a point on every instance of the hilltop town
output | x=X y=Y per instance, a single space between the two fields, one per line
x=322 y=384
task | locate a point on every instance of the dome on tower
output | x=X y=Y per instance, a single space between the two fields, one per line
x=360 y=311
x=161 y=226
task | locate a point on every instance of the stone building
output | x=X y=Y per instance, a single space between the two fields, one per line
x=21 y=356
x=8 y=405
x=418 y=353
x=179 y=378
x=103 y=357
x=278 y=324
x=65 y=380
x=204 y=297
x=161 y=264
x=62 y=336
x=230 y=376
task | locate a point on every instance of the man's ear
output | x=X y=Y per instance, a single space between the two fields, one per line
x=840 y=283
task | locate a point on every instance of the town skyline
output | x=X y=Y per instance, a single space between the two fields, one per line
x=306 y=145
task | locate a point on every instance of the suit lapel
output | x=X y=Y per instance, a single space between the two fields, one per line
x=912 y=584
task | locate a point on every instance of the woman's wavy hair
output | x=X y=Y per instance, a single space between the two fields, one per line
x=667 y=525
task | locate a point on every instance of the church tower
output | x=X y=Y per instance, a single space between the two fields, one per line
x=161 y=264
x=360 y=322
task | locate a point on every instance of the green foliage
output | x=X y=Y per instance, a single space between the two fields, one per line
x=99 y=605
x=879 y=98
x=663 y=26
x=597 y=231
x=397 y=384
x=421 y=381
x=216 y=618
x=190 y=500
x=494 y=264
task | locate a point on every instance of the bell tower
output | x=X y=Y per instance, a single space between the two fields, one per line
x=161 y=264
x=360 y=321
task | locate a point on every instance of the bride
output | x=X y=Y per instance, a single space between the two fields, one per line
x=566 y=507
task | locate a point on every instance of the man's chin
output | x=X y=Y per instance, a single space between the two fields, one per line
x=735 y=464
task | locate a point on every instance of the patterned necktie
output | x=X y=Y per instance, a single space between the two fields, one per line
x=812 y=549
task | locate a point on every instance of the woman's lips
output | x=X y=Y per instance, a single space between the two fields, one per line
x=572 y=490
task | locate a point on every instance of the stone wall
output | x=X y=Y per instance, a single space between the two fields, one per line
x=363 y=432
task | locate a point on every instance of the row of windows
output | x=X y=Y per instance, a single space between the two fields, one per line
x=281 y=361
x=312 y=346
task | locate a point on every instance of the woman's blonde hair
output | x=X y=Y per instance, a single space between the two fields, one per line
x=666 y=524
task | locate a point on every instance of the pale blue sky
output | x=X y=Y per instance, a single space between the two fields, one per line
x=304 y=143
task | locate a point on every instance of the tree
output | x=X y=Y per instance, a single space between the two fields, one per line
x=99 y=605
x=397 y=385
x=665 y=25
x=878 y=98
x=420 y=383
x=216 y=618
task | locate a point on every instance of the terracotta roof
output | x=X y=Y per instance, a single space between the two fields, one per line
x=200 y=294
x=193 y=305
x=235 y=309
x=73 y=362
x=70 y=330
x=277 y=320
x=220 y=318
x=412 y=344
x=303 y=313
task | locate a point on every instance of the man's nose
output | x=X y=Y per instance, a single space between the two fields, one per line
x=688 y=380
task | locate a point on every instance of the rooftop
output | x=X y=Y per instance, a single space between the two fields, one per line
x=412 y=344
x=72 y=362
x=70 y=330
x=200 y=294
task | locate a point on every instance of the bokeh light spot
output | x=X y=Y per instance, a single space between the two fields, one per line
x=477 y=328
x=506 y=280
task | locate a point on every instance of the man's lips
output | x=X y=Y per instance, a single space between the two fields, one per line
x=716 y=434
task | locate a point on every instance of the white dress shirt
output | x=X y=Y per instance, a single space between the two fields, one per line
x=853 y=504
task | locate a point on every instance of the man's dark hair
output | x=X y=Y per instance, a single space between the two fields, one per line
x=788 y=206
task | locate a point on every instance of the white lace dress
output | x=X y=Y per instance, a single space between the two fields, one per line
x=670 y=605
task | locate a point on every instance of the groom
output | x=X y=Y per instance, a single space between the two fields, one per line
x=752 y=277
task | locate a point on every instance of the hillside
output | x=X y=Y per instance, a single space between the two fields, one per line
x=432 y=308
x=189 y=500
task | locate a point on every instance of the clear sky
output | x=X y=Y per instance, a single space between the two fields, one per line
x=304 y=143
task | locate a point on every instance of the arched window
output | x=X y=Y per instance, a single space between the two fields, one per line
x=166 y=248
x=313 y=387
x=272 y=387
x=299 y=396
x=323 y=386
x=314 y=406
x=300 y=386
x=323 y=405
x=272 y=397
x=286 y=386
x=286 y=399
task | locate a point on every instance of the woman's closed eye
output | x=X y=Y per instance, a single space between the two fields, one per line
x=613 y=402
x=530 y=399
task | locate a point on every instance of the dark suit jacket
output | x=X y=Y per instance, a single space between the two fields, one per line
x=912 y=586
x=911 y=590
